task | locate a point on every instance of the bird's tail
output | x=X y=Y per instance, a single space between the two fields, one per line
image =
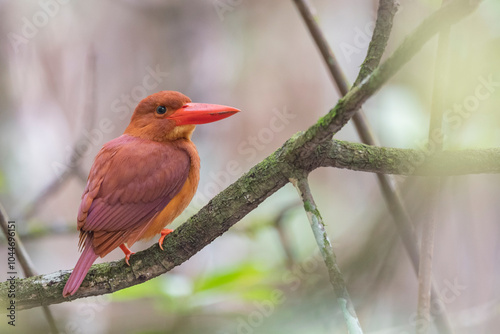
x=82 y=267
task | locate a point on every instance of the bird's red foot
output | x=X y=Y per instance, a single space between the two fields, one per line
x=164 y=233
x=127 y=252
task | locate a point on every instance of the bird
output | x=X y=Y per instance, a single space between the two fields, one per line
x=141 y=181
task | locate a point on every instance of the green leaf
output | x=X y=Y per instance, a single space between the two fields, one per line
x=232 y=279
x=151 y=288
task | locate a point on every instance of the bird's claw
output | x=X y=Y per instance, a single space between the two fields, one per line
x=164 y=233
x=127 y=252
x=127 y=257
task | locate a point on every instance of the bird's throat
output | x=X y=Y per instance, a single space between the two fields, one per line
x=180 y=132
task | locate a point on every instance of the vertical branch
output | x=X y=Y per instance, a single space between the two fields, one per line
x=25 y=262
x=21 y=253
x=310 y=19
x=326 y=249
x=434 y=183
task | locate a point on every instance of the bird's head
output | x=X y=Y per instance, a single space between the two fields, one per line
x=169 y=115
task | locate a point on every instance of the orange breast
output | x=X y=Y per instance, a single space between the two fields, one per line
x=180 y=202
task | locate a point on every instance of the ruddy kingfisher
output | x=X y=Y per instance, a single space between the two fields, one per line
x=141 y=181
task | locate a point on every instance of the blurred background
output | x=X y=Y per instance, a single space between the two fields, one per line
x=72 y=72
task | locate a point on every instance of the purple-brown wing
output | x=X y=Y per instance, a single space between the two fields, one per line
x=130 y=181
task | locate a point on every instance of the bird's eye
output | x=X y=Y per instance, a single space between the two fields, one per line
x=161 y=110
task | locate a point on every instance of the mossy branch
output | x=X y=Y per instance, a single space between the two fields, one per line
x=420 y=162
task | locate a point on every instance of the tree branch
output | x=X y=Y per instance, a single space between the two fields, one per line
x=326 y=250
x=385 y=160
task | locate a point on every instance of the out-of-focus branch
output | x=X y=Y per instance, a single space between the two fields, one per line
x=434 y=184
x=21 y=253
x=307 y=13
x=326 y=249
x=24 y=260
x=33 y=232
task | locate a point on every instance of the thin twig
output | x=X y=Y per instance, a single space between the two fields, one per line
x=341 y=83
x=434 y=184
x=383 y=26
x=21 y=253
x=25 y=261
x=326 y=249
x=306 y=10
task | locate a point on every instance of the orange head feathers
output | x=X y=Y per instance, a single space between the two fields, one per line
x=168 y=115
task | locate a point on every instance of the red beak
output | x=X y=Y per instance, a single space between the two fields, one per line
x=201 y=113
